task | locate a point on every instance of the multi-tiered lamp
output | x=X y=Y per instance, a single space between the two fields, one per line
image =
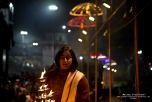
x=44 y=93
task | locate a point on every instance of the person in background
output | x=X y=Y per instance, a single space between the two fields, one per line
x=67 y=83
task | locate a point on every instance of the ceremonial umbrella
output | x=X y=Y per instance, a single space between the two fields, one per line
x=86 y=9
x=81 y=22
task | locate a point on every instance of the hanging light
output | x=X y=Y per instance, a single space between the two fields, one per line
x=52 y=7
x=81 y=22
x=91 y=18
x=106 y=5
x=69 y=31
x=84 y=32
x=86 y=9
x=63 y=27
x=80 y=40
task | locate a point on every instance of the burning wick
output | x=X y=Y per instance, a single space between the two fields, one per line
x=42 y=74
x=50 y=94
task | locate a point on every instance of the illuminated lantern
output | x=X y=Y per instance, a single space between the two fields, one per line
x=81 y=22
x=86 y=9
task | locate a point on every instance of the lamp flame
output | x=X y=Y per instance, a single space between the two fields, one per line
x=42 y=74
x=43 y=95
x=40 y=88
x=50 y=94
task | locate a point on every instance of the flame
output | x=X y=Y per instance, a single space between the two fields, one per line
x=42 y=74
x=49 y=100
x=43 y=95
x=45 y=86
x=50 y=94
x=40 y=88
x=52 y=100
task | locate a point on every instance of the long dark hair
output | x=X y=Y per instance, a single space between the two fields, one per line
x=74 y=64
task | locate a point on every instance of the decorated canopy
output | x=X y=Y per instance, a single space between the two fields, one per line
x=86 y=9
x=81 y=22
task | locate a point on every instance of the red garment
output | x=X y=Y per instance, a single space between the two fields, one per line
x=56 y=80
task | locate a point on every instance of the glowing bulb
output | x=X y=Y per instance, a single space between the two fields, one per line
x=84 y=32
x=150 y=68
x=23 y=32
x=106 y=5
x=115 y=70
x=35 y=44
x=53 y=8
x=140 y=52
x=69 y=31
x=91 y=18
x=63 y=27
x=80 y=40
x=81 y=57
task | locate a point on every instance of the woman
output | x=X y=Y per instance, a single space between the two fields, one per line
x=67 y=83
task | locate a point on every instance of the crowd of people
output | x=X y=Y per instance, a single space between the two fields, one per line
x=18 y=89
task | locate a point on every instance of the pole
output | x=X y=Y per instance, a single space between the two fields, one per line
x=109 y=55
x=87 y=43
x=136 y=55
x=96 y=70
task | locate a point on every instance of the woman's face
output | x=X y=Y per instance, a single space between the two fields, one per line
x=65 y=60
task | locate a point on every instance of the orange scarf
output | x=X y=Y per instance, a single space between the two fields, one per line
x=70 y=87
